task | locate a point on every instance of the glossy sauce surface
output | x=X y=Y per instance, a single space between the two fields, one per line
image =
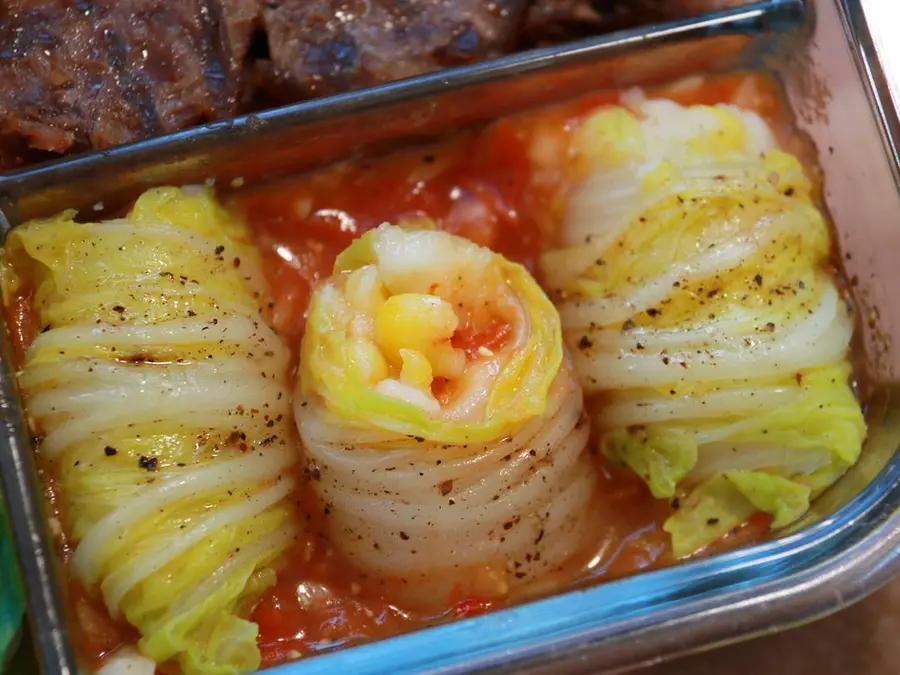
x=486 y=186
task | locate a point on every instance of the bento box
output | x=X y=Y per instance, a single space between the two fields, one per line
x=845 y=547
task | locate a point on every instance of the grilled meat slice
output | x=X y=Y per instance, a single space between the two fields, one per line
x=560 y=20
x=97 y=73
x=327 y=46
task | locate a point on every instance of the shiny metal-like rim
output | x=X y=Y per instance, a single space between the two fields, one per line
x=608 y=628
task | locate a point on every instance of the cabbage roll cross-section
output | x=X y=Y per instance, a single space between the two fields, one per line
x=442 y=419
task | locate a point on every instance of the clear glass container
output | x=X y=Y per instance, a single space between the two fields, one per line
x=849 y=544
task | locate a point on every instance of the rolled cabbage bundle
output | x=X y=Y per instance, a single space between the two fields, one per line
x=696 y=292
x=158 y=398
x=441 y=421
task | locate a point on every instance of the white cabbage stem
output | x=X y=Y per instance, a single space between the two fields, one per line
x=818 y=339
x=431 y=514
x=161 y=402
x=694 y=296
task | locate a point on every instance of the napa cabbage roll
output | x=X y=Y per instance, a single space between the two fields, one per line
x=696 y=291
x=158 y=400
x=440 y=417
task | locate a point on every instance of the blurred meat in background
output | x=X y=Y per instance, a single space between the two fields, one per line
x=325 y=46
x=562 y=20
x=76 y=75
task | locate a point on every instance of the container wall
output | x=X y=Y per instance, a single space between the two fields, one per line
x=620 y=624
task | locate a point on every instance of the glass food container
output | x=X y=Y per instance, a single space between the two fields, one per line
x=849 y=545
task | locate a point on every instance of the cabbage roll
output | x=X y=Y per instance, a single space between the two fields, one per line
x=159 y=403
x=440 y=417
x=696 y=292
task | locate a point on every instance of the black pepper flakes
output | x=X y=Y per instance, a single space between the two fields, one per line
x=148 y=463
x=110 y=451
x=585 y=342
x=712 y=521
x=312 y=471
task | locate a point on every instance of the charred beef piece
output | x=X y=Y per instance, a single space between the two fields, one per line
x=55 y=89
x=15 y=154
x=183 y=58
x=559 y=20
x=97 y=73
x=327 y=46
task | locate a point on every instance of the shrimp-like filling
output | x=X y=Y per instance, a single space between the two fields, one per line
x=434 y=329
x=442 y=424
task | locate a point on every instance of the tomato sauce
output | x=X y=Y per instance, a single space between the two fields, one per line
x=22 y=321
x=475 y=186
x=486 y=186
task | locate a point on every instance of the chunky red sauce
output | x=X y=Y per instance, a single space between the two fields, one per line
x=475 y=185
x=480 y=185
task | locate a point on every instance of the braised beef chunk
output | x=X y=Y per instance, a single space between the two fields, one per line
x=15 y=153
x=185 y=56
x=77 y=74
x=327 y=46
x=238 y=21
x=103 y=72
x=556 y=20
x=56 y=88
x=159 y=48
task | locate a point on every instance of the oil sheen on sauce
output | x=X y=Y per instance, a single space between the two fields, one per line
x=480 y=185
